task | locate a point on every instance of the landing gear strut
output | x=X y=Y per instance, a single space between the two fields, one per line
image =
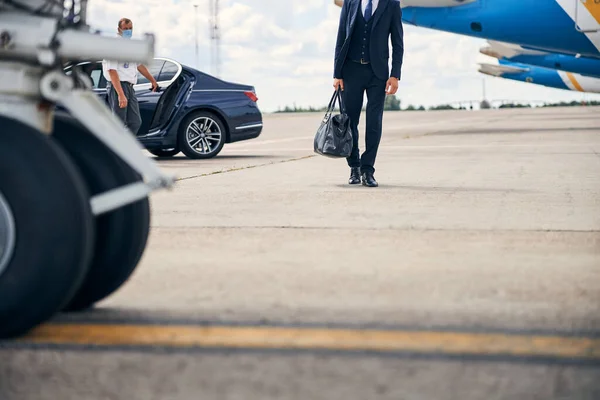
x=74 y=209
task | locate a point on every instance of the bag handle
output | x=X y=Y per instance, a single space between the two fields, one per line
x=331 y=105
x=340 y=98
x=337 y=95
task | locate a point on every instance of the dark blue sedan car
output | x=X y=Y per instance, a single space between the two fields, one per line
x=194 y=113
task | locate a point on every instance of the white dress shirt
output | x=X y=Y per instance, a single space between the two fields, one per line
x=127 y=71
x=365 y=3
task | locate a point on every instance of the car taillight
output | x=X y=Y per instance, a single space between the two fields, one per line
x=252 y=96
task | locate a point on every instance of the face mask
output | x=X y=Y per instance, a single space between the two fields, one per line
x=127 y=33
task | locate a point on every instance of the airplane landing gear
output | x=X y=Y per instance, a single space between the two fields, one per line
x=74 y=209
x=46 y=228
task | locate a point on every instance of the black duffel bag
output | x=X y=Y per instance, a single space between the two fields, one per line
x=334 y=137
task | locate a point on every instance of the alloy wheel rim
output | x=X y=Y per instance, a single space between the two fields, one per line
x=7 y=234
x=204 y=135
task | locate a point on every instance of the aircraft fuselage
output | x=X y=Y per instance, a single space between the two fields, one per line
x=561 y=26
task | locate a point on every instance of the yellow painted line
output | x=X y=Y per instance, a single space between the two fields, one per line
x=593 y=7
x=426 y=342
x=574 y=81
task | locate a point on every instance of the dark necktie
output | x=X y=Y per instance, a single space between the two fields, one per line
x=369 y=11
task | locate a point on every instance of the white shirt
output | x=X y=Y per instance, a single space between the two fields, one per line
x=127 y=71
x=365 y=3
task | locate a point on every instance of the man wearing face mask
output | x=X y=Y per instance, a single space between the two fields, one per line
x=121 y=77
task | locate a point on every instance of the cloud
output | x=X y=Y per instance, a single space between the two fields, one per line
x=303 y=6
x=285 y=49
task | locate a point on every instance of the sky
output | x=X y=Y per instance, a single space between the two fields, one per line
x=285 y=50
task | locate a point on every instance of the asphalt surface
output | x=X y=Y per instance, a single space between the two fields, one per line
x=472 y=272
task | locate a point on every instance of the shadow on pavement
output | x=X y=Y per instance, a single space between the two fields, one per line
x=220 y=157
x=434 y=188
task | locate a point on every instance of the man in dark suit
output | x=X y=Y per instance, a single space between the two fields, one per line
x=362 y=65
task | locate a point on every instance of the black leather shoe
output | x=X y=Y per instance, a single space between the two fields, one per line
x=369 y=180
x=354 y=176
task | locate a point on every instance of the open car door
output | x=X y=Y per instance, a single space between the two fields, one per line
x=156 y=108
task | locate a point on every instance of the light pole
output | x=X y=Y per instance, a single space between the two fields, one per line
x=215 y=36
x=218 y=40
x=485 y=104
x=196 y=26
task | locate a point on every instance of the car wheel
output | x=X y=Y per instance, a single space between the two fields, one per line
x=165 y=152
x=202 y=135
x=121 y=234
x=46 y=228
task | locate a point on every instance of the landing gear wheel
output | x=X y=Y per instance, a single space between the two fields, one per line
x=202 y=135
x=46 y=228
x=165 y=152
x=122 y=234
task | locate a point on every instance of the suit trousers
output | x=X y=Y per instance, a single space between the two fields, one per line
x=358 y=79
x=130 y=115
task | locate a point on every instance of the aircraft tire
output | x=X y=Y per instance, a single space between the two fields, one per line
x=121 y=234
x=46 y=228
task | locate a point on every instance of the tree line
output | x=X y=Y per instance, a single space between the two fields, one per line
x=393 y=103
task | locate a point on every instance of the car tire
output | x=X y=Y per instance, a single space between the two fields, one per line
x=121 y=234
x=191 y=141
x=45 y=197
x=165 y=153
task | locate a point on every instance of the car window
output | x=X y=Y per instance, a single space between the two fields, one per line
x=96 y=75
x=94 y=71
x=154 y=69
x=168 y=72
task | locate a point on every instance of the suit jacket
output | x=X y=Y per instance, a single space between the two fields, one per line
x=387 y=22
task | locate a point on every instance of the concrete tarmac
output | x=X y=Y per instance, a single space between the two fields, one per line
x=472 y=272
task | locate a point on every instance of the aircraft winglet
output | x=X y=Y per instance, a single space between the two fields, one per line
x=499 y=70
x=501 y=50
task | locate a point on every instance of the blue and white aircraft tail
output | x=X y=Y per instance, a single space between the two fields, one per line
x=542 y=76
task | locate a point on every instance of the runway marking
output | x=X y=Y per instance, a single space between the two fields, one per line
x=399 y=228
x=225 y=171
x=271 y=141
x=336 y=339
